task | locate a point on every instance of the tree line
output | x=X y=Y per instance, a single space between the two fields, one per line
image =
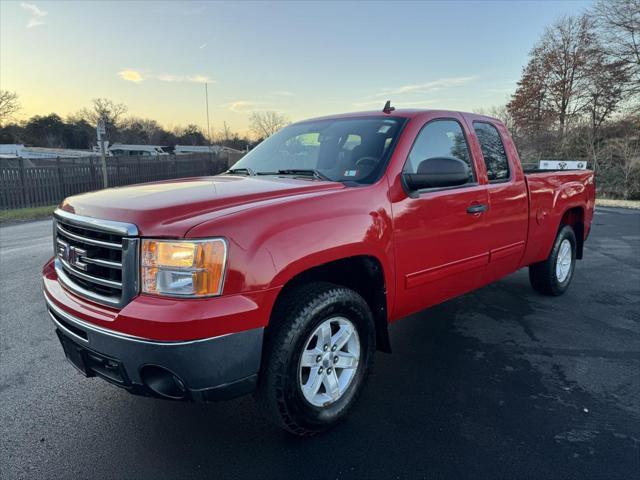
x=579 y=96
x=78 y=131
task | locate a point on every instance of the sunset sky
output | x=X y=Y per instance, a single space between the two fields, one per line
x=300 y=58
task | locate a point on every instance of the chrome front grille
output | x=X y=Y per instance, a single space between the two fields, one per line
x=96 y=259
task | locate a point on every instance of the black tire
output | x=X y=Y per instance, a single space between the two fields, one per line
x=543 y=276
x=296 y=317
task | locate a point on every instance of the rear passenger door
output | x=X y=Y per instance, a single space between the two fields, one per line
x=508 y=214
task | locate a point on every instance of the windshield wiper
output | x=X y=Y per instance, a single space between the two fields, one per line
x=244 y=170
x=300 y=172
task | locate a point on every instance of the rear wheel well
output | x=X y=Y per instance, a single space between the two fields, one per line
x=363 y=274
x=574 y=217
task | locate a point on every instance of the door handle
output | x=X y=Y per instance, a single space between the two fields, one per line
x=477 y=208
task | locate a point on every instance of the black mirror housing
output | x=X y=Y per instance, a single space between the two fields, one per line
x=438 y=172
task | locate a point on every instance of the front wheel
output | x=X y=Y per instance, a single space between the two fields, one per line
x=318 y=352
x=553 y=276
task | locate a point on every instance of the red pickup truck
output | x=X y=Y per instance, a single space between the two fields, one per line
x=282 y=275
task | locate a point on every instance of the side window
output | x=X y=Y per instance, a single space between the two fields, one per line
x=495 y=157
x=439 y=138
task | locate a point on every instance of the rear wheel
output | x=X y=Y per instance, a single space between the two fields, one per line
x=553 y=276
x=318 y=353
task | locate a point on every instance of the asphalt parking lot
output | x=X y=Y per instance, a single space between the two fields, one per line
x=501 y=383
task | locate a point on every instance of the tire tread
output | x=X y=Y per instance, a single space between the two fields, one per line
x=542 y=275
x=290 y=317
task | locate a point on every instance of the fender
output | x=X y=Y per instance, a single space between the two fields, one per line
x=552 y=199
x=568 y=197
x=272 y=243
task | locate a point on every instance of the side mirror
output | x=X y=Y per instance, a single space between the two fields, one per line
x=438 y=172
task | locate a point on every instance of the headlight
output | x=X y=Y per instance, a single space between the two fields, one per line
x=191 y=268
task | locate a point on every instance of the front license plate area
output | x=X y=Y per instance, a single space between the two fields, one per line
x=75 y=354
x=91 y=363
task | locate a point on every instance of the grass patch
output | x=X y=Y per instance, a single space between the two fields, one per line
x=608 y=202
x=26 y=214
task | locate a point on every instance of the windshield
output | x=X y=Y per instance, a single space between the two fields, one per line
x=348 y=149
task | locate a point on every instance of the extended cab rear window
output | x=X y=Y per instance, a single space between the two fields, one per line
x=354 y=150
x=495 y=156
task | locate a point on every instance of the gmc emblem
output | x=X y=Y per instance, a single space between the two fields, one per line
x=72 y=255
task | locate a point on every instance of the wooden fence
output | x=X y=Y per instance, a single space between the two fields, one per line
x=40 y=182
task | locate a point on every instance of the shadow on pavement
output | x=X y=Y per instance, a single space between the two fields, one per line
x=444 y=404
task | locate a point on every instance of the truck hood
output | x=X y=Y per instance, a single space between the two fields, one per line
x=171 y=208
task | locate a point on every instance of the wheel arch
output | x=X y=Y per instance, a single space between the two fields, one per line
x=574 y=217
x=362 y=273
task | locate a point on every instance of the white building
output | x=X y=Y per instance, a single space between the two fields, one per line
x=187 y=149
x=120 y=149
x=215 y=149
x=17 y=150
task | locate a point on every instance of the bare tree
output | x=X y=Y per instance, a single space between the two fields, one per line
x=626 y=150
x=265 y=124
x=630 y=164
x=9 y=105
x=141 y=130
x=570 y=77
x=604 y=90
x=618 y=23
x=501 y=112
x=106 y=110
x=565 y=48
x=553 y=83
x=529 y=105
x=226 y=133
x=190 y=135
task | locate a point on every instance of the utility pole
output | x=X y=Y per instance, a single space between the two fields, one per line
x=101 y=130
x=206 y=96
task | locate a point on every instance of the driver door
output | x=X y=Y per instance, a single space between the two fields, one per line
x=441 y=243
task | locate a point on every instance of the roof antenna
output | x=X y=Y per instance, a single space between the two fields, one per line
x=388 y=108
